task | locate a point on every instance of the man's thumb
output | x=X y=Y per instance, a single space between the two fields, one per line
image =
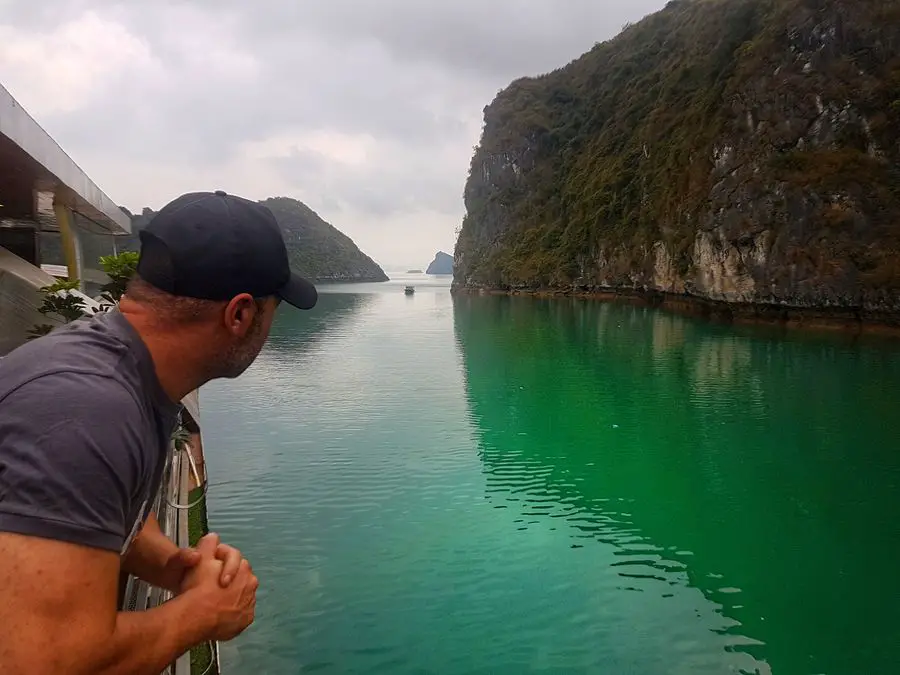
x=207 y=545
x=189 y=557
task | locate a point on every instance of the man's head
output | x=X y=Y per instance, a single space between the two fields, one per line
x=212 y=270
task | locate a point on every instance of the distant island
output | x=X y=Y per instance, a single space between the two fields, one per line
x=442 y=264
x=317 y=250
x=414 y=271
x=738 y=156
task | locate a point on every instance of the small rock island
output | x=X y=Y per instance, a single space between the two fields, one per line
x=442 y=264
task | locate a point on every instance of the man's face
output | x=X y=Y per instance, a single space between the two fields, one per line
x=241 y=354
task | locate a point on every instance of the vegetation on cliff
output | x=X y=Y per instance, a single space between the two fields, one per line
x=317 y=250
x=744 y=150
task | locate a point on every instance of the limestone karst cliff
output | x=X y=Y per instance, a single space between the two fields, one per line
x=736 y=150
x=317 y=249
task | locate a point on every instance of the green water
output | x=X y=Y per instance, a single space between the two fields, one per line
x=509 y=485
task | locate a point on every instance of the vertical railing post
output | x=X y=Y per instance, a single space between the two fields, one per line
x=71 y=243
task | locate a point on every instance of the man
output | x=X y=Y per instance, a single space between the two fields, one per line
x=86 y=414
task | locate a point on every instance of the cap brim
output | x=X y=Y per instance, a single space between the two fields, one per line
x=299 y=292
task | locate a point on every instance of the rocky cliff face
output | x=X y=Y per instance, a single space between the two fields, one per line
x=317 y=250
x=746 y=151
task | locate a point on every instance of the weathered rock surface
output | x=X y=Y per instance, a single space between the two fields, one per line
x=744 y=151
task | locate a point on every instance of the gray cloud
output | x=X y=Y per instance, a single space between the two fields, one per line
x=382 y=187
x=366 y=110
x=503 y=38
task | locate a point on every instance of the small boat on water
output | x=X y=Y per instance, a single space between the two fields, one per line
x=409 y=290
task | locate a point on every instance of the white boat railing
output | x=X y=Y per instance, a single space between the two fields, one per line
x=172 y=508
x=139 y=595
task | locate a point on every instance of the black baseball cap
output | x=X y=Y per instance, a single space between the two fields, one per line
x=214 y=246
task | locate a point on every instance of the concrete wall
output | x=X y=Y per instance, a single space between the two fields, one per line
x=19 y=300
x=20 y=297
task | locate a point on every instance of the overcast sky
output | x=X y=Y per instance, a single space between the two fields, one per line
x=367 y=110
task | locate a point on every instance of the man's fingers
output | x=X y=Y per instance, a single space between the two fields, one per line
x=208 y=545
x=189 y=556
x=232 y=561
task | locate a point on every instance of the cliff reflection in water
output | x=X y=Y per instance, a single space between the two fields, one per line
x=297 y=340
x=762 y=472
x=301 y=331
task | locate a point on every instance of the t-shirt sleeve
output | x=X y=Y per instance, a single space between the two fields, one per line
x=70 y=459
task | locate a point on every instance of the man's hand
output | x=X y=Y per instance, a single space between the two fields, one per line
x=228 y=609
x=231 y=560
x=176 y=566
x=186 y=558
x=156 y=560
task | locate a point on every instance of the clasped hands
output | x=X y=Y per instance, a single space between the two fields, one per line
x=217 y=577
x=209 y=551
x=221 y=584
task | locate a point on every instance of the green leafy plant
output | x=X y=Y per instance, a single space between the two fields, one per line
x=59 y=300
x=181 y=437
x=119 y=268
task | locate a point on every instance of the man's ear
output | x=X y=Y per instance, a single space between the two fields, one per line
x=239 y=314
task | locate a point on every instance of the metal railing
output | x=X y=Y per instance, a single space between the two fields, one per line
x=171 y=507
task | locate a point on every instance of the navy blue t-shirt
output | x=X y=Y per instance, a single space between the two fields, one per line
x=84 y=433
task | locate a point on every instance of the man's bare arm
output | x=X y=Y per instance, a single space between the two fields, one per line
x=150 y=557
x=58 y=609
